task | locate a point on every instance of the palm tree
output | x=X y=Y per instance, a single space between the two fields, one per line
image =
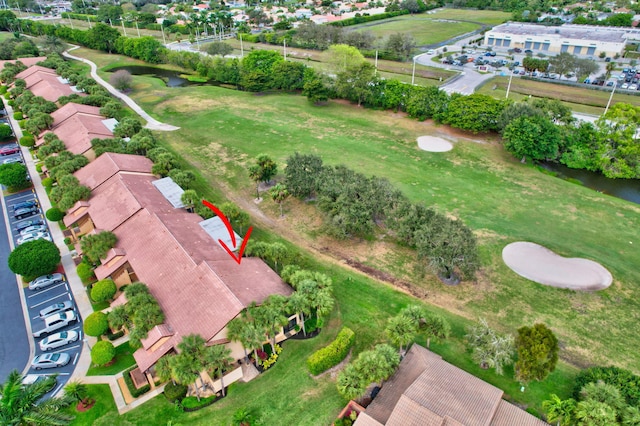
x=53 y=44
x=401 y=330
x=243 y=330
x=184 y=371
x=603 y=392
x=350 y=383
x=189 y=198
x=77 y=391
x=163 y=369
x=299 y=302
x=217 y=360
x=631 y=416
x=22 y=404
x=270 y=317
x=436 y=327
x=193 y=347
x=595 y=413
x=279 y=194
x=559 y=411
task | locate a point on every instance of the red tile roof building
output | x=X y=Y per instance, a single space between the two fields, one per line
x=27 y=62
x=76 y=125
x=428 y=391
x=197 y=284
x=45 y=82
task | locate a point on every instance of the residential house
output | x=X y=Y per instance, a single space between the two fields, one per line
x=45 y=82
x=428 y=391
x=199 y=287
x=77 y=125
x=26 y=61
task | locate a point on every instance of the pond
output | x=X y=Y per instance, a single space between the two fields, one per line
x=171 y=78
x=627 y=189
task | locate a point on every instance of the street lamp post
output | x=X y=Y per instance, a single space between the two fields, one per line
x=509 y=85
x=413 y=73
x=84 y=339
x=610 y=98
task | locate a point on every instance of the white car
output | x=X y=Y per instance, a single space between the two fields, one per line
x=13 y=160
x=50 y=360
x=59 y=339
x=33 y=228
x=625 y=86
x=32 y=236
x=56 y=322
x=633 y=87
x=55 y=308
x=46 y=281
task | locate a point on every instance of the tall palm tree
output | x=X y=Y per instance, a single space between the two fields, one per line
x=185 y=371
x=270 y=317
x=21 y=404
x=401 y=330
x=245 y=331
x=163 y=369
x=77 y=391
x=559 y=411
x=350 y=383
x=217 y=360
x=299 y=302
x=279 y=194
x=595 y=413
x=436 y=327
x=193 y=348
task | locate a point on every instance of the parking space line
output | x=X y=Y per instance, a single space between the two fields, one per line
x=75 y=358
x=63 y=350
x=30 y=194
x=39 y=292
x=48 y=300
x=57 y=389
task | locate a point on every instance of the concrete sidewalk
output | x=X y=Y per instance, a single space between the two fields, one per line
x=152 y=123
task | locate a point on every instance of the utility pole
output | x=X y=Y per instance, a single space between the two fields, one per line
x=413 y=73
x=241 y=47
x=137 y=28
x=610 y=98
x=509 y=85
x=376 y=66
x=285 y=48
x=123 y=28
x=162 y=29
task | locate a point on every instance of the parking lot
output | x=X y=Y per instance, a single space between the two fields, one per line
x=23 y=209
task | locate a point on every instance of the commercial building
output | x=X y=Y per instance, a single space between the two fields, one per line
x=587 y=40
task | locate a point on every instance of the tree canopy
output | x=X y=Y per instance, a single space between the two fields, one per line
x=34 y=258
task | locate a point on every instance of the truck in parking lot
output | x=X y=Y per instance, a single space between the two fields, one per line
x=56 y=322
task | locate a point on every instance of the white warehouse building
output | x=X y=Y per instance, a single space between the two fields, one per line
x=576 y=39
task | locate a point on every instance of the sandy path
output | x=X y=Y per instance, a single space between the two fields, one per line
x=539 y=264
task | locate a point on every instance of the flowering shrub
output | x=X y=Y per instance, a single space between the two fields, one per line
x=266 y=362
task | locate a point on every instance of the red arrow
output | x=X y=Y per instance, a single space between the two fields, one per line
x=231 y=233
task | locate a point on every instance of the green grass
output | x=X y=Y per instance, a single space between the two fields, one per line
x=104 y=404
x=501 y=199
x=580 y=99
x=424 y=30
x=123 y=360
x=487 y=17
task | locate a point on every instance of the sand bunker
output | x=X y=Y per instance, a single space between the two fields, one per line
x=539 y=264
x=434 y=144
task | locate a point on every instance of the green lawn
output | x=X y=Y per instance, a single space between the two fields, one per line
x=424 y=29
x=501 y=199
x=104 y=404
x=123 y=360
x=487 y=17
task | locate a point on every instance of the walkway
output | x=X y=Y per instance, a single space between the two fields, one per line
x=152 y=123
x=112 y=381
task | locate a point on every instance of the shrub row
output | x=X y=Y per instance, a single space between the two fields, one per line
x=174 y=392
x=333 y=354
x=191 y=403
x=132 y=388
x=368 y=18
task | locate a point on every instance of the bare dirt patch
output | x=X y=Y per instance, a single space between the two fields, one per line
x=434 y=144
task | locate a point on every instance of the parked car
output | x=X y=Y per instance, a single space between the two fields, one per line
x=25 y=212
x=431 y=52
x=633 y=87
x=34 y=228
x=27 y=223
x=587 y=81
x=46 y=281
x=8 y=150
x=67 y=305
x=32 y=379
x=50 y=361
x=528 y=51
x=58 y=340
x=607 y=59
x=25 y=204
x=517 y=50
x=624 y=86
x=32 y=236
x=13 y=160
x=55 y=322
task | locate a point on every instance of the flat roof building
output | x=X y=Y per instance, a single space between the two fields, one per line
x=585 y=40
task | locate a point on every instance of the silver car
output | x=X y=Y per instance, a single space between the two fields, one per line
x=32 y=236
x=50 y=360
x=59 y=339
x=33 y=228
x=46 y=281
x=67 y=305
x=55 y=322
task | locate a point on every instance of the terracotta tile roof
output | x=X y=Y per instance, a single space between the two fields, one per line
x=78 y=130
x=71 y=109
x=427 y=390
x=198 y=286
x=28 y=62
x=45 y=82
x=509 y=415
x=108 y=164
x=155 y=334
x=33 y=70
x=366 y=420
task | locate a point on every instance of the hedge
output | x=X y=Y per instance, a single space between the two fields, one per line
x=627 y=383
x=368 y=18
x=191 y=403
x=114 y=336
x=103 y=290
x=54 y=214
x=102 y=352
x=96 y=324
x=333 y=354
x=85 y=272
x=132 y=388
x=175 y=392
x=17 y=116
x=27 y=141
x=47 y=182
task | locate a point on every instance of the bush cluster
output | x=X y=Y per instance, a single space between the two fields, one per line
x=96 y=324
x=54 y=214
x=191 y=403
x=102 y=352
x=174 y=392
x=85 y=272
x=332 y=354
x=34 y=258
x=103 y=290
x=627 y=382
